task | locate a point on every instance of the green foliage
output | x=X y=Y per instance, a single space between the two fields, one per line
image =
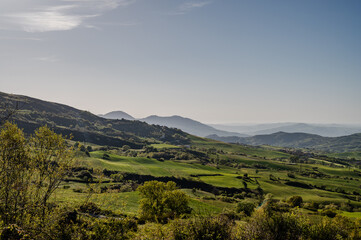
x=112 y=228
x=106 y=156
x=291 y=175
x=246 y=207
x=275 y=226
x=14 y=160
x=30 y=172
x=329 y=212
x=295 y=201
x=203 y=228
x=161 y=201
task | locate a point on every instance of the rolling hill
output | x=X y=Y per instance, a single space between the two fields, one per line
x=300 y=140
x=188 y=125
x=117 y=115
x=83 y=125
x=325 y=130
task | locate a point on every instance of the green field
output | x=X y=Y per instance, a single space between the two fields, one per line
x=337 y=177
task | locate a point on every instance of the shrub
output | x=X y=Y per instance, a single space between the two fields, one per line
x=226 y=199
x=295 y=201
x=329 y=212
x=246 y=207
x=203 y=228
x=291 y=175
x=112 y=228
x=311 y=206
x=282 y=226
x=161 y=201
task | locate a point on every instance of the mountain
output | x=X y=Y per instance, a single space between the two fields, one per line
x=300 y=140
x=325 y=130
x=117 y=115
x=83 y=125
x=188 y=125
x=248 y=127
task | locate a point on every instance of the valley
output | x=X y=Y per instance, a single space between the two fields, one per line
x=115 y=158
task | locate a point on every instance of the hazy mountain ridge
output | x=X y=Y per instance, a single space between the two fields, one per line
x=185 y=124
x=188 y=125
x=84 y=125
x=117 y=115
x=300 y=140
x=325 y=130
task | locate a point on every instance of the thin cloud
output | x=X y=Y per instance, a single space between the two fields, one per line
x=62 y=15
x=22 y=38
x=189 y=6
x=49 y=59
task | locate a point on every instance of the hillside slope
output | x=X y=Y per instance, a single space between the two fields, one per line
x=188 y=125
x=84 y=125
x=325 y=130
x=300 y=140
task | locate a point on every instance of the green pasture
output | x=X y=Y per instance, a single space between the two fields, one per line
x=259 y=163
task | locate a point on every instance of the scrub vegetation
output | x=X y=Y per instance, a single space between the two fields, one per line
x=121 y=179
x=55 y=188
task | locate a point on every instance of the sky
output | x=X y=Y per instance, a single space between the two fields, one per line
x=216 y=61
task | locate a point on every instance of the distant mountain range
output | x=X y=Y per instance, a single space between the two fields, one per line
x=185 y=124
x=237 y=130
x=325 y=130
x=117 y=115
x=300 y=140
x=189 y=125
x=87 y=127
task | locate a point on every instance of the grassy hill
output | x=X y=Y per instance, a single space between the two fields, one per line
x=83 y=125
x=325 y=130
x=216 y=177
x=300 y=140
x=215 y=168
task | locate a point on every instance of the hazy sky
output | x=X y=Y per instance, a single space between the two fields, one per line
x=215 y=61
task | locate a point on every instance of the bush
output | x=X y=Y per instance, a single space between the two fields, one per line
x=203 y=228
x=311 y=206
x=329 y=212
x=295 y=201
x=226 y=199
x=282 y=226
x=161 y=201
x=291 y=175
x=90 y=208
x=246 y=207
x=112 y=228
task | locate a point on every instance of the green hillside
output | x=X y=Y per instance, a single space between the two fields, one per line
x=114 y=159
x=85 y=126
x=300 y=140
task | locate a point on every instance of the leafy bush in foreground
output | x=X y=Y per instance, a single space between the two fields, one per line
x=162 y=201
x=203 y=228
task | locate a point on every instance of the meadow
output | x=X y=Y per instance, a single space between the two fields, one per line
x=265 y=168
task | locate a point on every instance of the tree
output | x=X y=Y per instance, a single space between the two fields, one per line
x=51 y=163
x=30 y=172
x=246 y=207
x=14 y=181
x=161 y=201
x=7 y=110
